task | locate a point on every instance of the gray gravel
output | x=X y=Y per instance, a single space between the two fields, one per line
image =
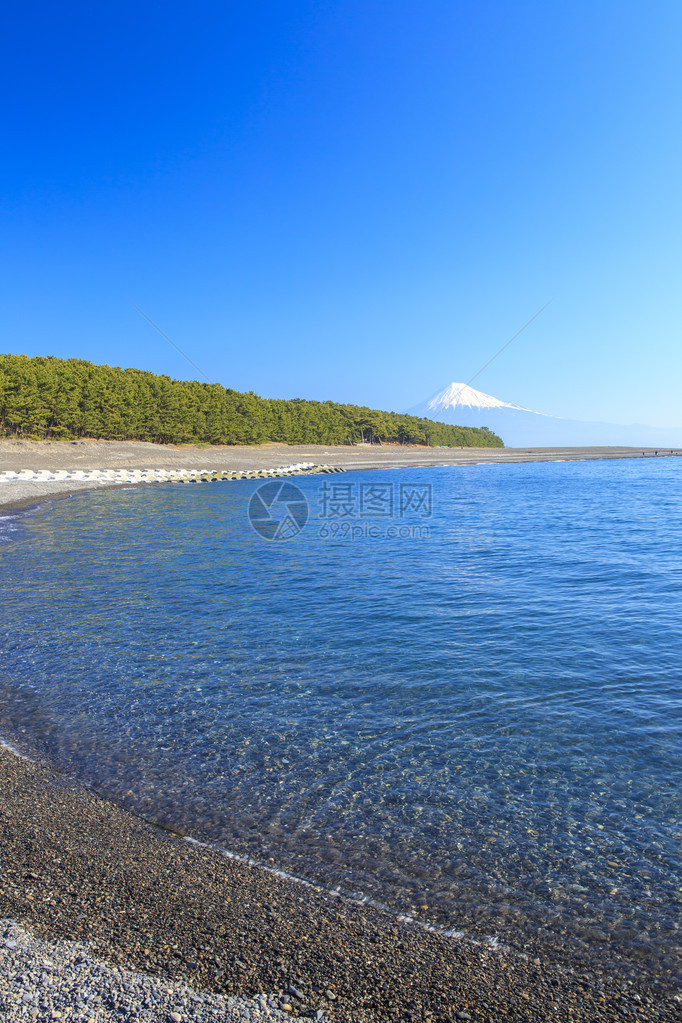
x=62 y=980
x=14 y=495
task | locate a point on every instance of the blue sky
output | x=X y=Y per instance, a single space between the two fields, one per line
x=358 y=200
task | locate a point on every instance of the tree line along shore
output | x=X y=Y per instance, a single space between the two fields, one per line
x=65 y=399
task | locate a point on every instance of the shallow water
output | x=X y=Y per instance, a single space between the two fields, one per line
x=475 y=720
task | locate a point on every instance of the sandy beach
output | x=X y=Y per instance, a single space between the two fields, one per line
x=75 y=867
x=26 y=454
x=83 y=455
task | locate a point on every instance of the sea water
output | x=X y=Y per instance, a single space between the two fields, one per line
x=453 y=690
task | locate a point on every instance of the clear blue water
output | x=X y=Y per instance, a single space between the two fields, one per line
x=477 y=723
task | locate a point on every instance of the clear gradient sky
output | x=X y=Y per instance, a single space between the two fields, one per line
x=357 y=200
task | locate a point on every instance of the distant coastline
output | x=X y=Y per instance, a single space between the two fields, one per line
x=16 y=454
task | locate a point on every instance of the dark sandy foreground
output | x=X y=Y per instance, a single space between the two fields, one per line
x=75 y=866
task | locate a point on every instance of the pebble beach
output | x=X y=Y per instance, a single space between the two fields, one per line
x=178 y=925
x=106 y=917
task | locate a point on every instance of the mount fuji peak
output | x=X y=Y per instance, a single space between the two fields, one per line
x=463 y=396
x=461 y=405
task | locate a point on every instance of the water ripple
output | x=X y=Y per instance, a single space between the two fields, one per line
x=480 y=727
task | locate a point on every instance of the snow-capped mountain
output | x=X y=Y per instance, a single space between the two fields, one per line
x=522 y=427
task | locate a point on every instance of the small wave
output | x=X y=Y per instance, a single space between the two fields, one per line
x=356 y=899
x=15 y=752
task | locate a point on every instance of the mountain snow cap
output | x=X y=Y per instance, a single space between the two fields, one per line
x=463 y=396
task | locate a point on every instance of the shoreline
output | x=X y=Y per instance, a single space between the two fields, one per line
x=82 y=454
x=90 y=455
x=75 y=866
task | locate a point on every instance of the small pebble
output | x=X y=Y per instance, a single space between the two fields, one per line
x=58 y=974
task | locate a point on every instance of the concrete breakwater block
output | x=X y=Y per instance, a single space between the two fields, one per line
x=257 y=474
x=111 y=477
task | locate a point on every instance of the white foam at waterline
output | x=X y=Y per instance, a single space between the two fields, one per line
x=15 y=752
x=489 y=941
